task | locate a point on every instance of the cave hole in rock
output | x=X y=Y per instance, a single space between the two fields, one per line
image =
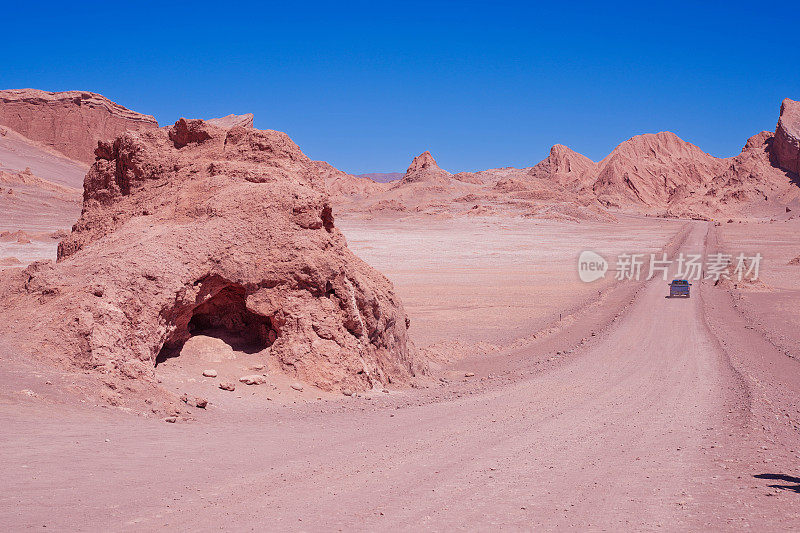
x=223 y=314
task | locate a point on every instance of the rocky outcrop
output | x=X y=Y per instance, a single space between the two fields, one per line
x=231 y=121
x=565 y=167
x=424 y=169
x=785 y=149
x=647 y=170
x=71 y=122
x=198 y=228
x=343 y=186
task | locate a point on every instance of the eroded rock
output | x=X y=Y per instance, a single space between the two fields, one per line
x=71 y=122
x=785 y=149
x=231 y=233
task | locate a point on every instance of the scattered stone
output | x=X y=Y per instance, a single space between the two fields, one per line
x=257 y=367
x=201 y=403
x=347 y=392
x=253 y=379
x=210 y=373
x=227 y=385
x=171 y=419
x=185 y=398
x=469 y=374
x=297 y=386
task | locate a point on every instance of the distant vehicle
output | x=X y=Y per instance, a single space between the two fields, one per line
x=679 y=287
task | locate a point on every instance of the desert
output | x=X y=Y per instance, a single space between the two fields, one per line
x=208 y=323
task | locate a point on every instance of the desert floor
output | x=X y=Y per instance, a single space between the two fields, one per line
x=601 y=406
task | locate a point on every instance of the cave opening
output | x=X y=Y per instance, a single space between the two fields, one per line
x=224 y=315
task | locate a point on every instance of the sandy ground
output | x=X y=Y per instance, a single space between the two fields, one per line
x=772 y=302
x=491 y=279
x=40 y=213
x=638 y=413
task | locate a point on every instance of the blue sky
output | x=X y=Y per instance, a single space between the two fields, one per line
x=367 y=86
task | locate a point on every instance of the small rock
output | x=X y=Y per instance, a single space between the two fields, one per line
x=201 y=403
x=469 y=374
x=386 y=391
x=210 y=373
x=297 y=386
x=185 y=398
x=171 y=419
x=253 y=379
x=347 y=392
x=257 y=367
x=227 y=385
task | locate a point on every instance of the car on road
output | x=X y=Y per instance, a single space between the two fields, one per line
x=679 y=287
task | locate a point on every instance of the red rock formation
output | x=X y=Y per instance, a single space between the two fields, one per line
x=424 y=169
x=748 y=184
x=785 y=149
x=647 y=170
x=230 y=121
x=71 y=122
x=197 y=227
x=344 y=187
x=565 y=167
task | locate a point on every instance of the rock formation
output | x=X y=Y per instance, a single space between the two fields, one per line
x=71 y=122
x=198 y=228
x=565 y=167
x=343 y=186
x=230 y=121
x=785 y=149
x=424 y=169
x=647 y=170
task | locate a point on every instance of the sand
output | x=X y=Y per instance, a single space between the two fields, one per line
x=493 y=279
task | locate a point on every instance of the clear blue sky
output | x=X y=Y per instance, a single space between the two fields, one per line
x=367 y=86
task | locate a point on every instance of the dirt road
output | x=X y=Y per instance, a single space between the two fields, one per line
x=646 y=426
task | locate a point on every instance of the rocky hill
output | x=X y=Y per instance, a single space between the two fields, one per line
x=71 y=122
x=424 y=169
x=196 y=228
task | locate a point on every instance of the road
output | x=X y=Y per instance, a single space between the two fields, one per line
x=641 y=428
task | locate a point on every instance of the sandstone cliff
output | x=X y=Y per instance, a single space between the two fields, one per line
x=71 y=122
x=785 y=149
